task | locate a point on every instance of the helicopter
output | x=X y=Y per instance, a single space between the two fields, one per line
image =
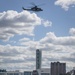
x=34 y=8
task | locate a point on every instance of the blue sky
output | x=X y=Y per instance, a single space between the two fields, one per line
x=22 y=32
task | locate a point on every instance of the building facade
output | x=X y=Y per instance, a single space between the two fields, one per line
x=45 y=71
x=27 y=72
x=35 y=72
x=38 y=59
x=11 y=73
x=58 y=68
x=3 y=73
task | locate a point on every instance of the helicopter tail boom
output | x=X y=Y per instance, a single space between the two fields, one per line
x=25 y=9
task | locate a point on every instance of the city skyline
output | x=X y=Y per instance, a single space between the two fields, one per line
x=22 y=32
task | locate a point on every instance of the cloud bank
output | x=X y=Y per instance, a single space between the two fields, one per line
x=12 y=22
x=53 y=49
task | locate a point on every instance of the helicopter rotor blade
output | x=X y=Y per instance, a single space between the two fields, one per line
x=41 y=4
x=37 y=5
x=33 y=4
x=30 y=7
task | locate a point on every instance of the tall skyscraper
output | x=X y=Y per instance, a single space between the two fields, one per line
x=38 y=59
x=58 y=68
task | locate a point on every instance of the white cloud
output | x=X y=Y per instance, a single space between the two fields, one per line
x=47 y=23
x=51 y=38
x=24 y=39
x=65 y=4
x=72 y=31
x=12 y=22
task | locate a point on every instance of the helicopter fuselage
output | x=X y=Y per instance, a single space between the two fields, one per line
x=36 y=9
x=33 y=9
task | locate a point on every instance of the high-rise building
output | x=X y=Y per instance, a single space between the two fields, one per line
x=38 y=59
x=58 y=68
